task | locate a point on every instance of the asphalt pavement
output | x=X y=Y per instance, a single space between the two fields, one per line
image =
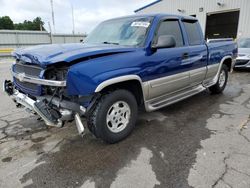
x=203 y=141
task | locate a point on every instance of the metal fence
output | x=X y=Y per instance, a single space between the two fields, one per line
x=12 y=39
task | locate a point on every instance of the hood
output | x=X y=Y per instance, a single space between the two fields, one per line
x=45 y=55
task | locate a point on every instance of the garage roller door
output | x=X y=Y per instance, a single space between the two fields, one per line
x=222 y=25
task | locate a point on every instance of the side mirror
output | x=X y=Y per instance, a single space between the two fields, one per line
x=165 y=41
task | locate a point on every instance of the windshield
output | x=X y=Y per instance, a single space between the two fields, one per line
x=244 y=43
x=124 y=31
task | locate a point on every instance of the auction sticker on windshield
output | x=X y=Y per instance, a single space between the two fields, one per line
x=140 y=24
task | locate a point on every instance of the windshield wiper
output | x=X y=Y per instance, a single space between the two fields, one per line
x=115 y=43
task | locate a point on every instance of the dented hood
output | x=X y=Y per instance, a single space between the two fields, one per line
x=45 y=55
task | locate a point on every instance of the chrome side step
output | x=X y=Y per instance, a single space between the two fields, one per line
x=169 y=99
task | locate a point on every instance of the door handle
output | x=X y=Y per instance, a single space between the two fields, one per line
x=185 y=56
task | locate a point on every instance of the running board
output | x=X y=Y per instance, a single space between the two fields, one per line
x=169 y=99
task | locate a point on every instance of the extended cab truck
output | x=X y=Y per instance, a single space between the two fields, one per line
x=150 y=61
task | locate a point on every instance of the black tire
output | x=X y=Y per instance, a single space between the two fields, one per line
x=97 y=120
x=218 y=87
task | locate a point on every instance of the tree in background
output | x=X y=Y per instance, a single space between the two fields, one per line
x=36 y=25
x=6 y=23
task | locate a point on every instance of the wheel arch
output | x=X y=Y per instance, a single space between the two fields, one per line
x=133 y=83
x=228 y=61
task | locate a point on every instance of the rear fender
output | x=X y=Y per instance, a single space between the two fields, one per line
x=208 y=83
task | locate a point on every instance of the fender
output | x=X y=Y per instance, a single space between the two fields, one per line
x=220 y=66
x=222 y=61
x=216 y=77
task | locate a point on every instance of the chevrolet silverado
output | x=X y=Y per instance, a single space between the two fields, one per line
x=146 y=61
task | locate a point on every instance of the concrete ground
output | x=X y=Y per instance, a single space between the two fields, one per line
x=203 y=141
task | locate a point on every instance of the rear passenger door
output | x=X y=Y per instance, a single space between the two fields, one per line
x=169 y=72
x=197 y=52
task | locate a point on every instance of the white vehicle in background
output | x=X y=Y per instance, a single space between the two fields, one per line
x=243 y=59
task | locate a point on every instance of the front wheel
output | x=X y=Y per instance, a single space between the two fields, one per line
x=222 y=81
x=114 y=116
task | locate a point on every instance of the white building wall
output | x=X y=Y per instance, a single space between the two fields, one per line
x=191 y=7
x=19 y=38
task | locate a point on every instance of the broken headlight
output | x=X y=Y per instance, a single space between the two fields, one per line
x=55 y=73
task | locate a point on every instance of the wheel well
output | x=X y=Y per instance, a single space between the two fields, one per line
x=134 y=86
x=228 y=63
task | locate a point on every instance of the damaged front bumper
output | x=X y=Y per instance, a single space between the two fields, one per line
x=65 y=110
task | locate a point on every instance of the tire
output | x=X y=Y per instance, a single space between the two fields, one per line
x=114 y=116
x=222 y=81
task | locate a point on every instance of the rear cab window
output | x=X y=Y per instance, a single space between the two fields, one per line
x=193 y=32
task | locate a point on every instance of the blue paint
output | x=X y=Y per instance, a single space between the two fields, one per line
x=46 y=55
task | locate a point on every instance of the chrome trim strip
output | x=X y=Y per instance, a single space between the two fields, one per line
x=24 y=78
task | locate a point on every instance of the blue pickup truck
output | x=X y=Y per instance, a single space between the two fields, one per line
x=148 y=61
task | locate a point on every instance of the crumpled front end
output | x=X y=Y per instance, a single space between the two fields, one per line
x=44 y=92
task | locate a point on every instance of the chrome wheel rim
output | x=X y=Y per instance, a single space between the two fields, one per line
x=118 y=116
x=222 y=78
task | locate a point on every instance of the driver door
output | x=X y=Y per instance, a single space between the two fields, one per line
x=171 y=70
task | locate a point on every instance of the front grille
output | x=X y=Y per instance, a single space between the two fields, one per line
x=241 y=62
x=26 y=85
x=29 y=70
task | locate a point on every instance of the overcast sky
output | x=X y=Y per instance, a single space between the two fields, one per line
x=87 y=13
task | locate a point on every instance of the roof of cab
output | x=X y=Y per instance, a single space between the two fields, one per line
x=159 y=15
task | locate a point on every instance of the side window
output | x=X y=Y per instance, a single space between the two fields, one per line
x=171 y=27
x=193 y=33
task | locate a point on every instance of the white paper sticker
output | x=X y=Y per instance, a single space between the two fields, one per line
x=140 y=24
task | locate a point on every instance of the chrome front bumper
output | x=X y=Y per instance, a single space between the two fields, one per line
x=27 y=102
x=31 y=105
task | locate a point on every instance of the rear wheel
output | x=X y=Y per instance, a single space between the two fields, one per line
x=222 y=81
x=114 y=116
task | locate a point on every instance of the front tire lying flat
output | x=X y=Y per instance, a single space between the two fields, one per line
x=114 y=116
x=222 y=81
